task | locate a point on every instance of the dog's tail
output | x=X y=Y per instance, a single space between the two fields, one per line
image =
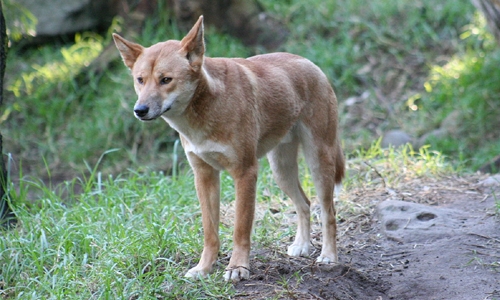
x=339 y=169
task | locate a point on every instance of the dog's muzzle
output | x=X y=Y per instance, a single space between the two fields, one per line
x=141 y=110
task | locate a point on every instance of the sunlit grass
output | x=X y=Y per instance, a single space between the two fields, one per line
x=394 y=165
x=467 y=85
x=61 y=70
x=364 y=46
x=19 y=20
x=339 y=36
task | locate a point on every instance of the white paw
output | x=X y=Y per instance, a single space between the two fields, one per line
x=327 y=259
x=298 y=249
x=196 y=273
x=237 y=274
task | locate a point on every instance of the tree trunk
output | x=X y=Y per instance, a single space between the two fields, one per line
x=7 y=217
x=491 y=10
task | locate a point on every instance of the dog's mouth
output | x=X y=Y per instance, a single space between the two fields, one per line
x=145 y=118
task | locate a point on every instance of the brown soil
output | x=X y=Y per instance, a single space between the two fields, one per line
x=450 y=249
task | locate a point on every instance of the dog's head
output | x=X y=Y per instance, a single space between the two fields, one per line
x=166 y=74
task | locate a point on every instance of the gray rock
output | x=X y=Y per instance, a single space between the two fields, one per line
x=395 y=138
x=59 y=17
x=452 y=123
x=491 y=181
x=437 y=133
x=410 y=222
x=450 y=127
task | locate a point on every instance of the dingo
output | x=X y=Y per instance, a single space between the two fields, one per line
x=229 y=112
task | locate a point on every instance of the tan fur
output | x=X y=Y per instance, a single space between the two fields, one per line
x=230 y=112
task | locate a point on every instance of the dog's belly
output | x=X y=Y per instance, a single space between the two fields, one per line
x=266 y=145
x=221 y=156
x=216 y=159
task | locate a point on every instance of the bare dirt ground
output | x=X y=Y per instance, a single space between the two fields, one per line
x=431 y=239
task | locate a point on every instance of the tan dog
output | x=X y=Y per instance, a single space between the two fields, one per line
x=229 y=112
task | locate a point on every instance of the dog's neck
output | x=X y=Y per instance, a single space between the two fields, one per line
x=195 y=115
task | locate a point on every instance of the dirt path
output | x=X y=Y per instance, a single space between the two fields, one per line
x=429 y=240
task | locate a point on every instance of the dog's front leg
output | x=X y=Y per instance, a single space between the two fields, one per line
x=207 y=182
x=245 y=185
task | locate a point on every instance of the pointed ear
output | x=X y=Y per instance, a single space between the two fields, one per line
x=193 y=44
x=128 y=50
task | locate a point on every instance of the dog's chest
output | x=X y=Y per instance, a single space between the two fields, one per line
x=216 y=154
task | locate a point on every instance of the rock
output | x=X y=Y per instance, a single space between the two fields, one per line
x=395 y=138
x=493 y=166
x=410 y=222
x=452 y=123
x=491 y=181
x=437 y=133
x=450 y=127
x=60 y=17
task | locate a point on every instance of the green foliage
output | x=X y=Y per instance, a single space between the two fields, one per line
x=341 y=35
x=58 y=113
x=20 y=21
x=468 y=84
x=381 y=46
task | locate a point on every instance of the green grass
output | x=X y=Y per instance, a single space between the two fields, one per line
x=441 y=54
x=132 y=236
x=497 y=203
x=135 y=235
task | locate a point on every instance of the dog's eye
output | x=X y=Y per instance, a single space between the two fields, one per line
x=140 y=80
x=165 y=80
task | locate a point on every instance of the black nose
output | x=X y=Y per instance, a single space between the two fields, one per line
x=141 y=110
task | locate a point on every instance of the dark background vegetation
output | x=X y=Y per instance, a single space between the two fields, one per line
x=424 y=67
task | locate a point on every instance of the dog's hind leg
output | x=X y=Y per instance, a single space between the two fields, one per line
x=320 y=154
x=283 y=161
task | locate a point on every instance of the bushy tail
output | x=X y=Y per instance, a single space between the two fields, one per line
x=339 y=164
x=339 y=169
